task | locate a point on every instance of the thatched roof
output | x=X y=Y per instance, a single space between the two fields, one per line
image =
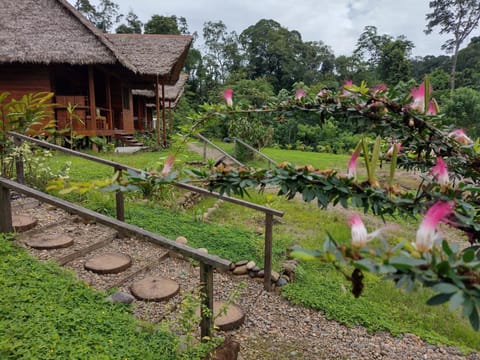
x=172 y=92
x=52 y=31
x=153 y=54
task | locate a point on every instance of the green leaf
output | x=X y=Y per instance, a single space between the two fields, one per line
x=456 y=301
x=468 y=256
x=305 y=254
x=406 y=261
x=365 y=264
x=474 y=319
x=467 y=307
x=445 y=288
x=439 y=299
x=446 y=248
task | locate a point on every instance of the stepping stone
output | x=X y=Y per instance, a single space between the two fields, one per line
x=112 y=263
x=23 y=223
x=155 y=288
x=229 y=320
x=50 y=241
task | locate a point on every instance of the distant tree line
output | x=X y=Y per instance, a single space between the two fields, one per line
x=266 y=59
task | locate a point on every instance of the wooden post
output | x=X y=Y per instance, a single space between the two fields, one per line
x=170 y=119
x=5 y=211
x=267 y=280
x=91 y=100
x=157 y=110
x=19 y=168
x=120 y=204
x=164 y=122
x=109 y=103
x=206 y=283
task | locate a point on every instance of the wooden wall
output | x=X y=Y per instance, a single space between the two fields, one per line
x=22 y=79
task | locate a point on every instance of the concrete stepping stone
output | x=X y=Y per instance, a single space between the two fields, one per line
x=111 y=263
x=155 y=288
x=230 y=319
x=23 y=223
x=49 y=241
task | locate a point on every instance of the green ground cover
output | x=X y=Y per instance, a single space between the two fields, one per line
x=45 y=313
x=232 y=233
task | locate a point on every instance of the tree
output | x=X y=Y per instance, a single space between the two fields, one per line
x=455 y=17
x=387 y=55
x=159 y=24
x=87 y=9
x=280 y=55
x=103 y=16
x=133 y=25
x=222 y=50
x=462 y=109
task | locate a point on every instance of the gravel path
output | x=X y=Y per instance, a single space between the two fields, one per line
x=273 y=328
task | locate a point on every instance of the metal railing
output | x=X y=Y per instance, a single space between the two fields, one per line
x=219 y=149
x=251 y=148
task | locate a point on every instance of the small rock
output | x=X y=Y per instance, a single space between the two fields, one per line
x=181 y=240
x=275 y=276
x=259 y=230
x=120 y=297
x=289 y=266
x=203 y=250
x=261 y=273
x=232 y=266
x=241 y=263
x=256 y=269
x=281 y=282
x=240 y=270
x=251 y=265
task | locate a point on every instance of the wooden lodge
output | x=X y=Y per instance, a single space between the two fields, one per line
x=47 y=45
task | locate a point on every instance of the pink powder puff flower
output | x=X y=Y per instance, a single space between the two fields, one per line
x=345 y=91
x=360 y=236
x=378 y=88
x=389 y=152
x=299 y=94
x=352 y=166
x=228 y=96
x=168 y=165
x=427 y=233
x=440 y=172
x=418 y=95
x=432 y=109
x=460 y=137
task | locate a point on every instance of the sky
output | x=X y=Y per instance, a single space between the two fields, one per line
x=338 y=23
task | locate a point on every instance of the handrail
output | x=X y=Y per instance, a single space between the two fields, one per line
x=204 y=139
x=269 y=160
x=233 y=200
x=121 y=226
x=119 y=166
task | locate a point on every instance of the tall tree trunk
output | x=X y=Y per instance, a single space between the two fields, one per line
x=454 y=67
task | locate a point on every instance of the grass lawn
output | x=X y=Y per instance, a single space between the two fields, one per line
x=232 y=233
x=45 y=313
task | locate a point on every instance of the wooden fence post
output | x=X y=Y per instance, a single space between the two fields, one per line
x=19 y=163
x=5 y=211
x=119 y=201
x=267 y=280
x=206 y=283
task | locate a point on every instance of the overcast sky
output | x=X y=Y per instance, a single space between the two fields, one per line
x=338 y=23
